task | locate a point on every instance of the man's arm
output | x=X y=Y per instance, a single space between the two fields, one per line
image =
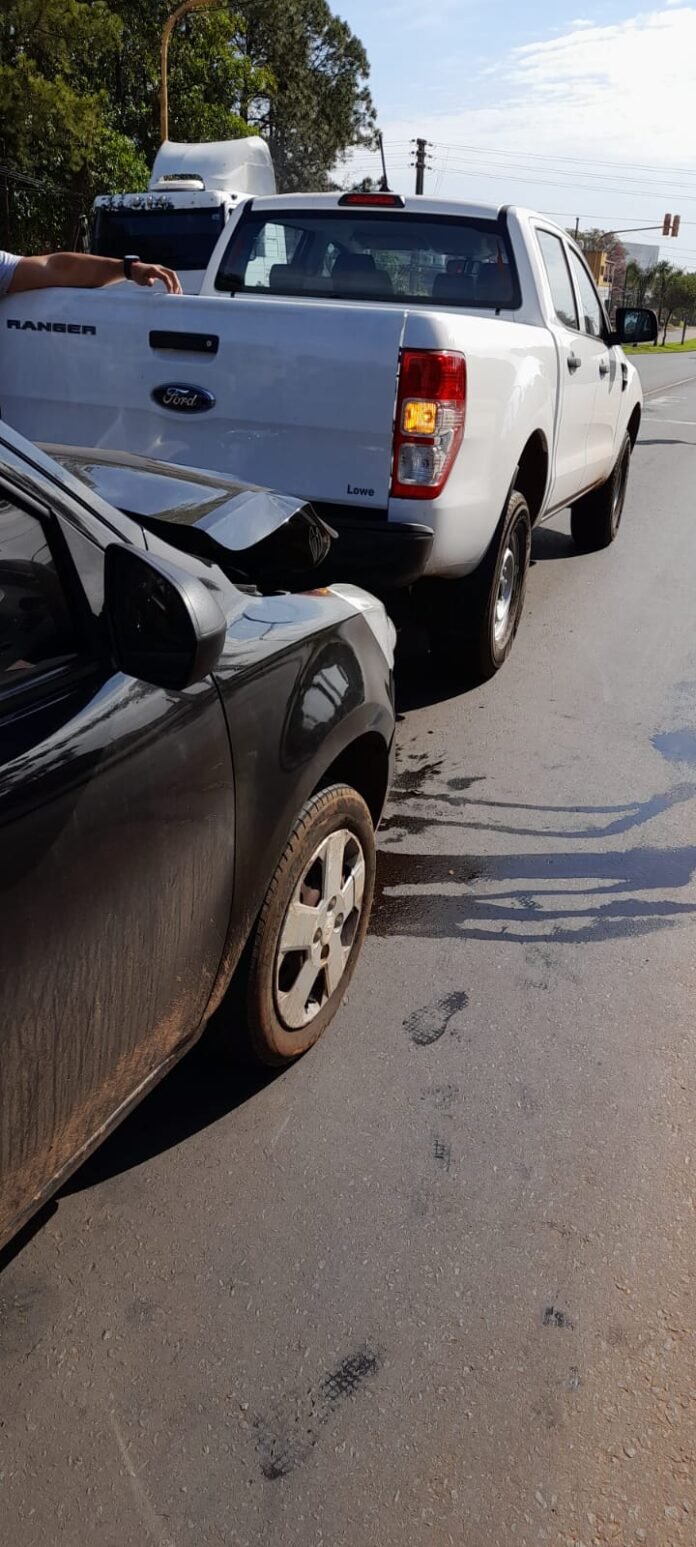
x=85 y=271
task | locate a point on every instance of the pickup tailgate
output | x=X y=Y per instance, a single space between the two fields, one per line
x=294 y=395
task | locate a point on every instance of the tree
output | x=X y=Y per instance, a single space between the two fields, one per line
x=637 y=283
x=211 y=74
x=79 y=86
x=595 y=240
x=664 y=293
x=677 y=292
x=319 y=104
x=57 y=144
x=686 y=306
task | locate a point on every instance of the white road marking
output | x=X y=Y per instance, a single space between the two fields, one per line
x=670 y=386
x=660 y=419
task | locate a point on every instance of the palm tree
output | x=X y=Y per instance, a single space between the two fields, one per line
x=636 y=283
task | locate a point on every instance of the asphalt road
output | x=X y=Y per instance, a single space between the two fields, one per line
x=436 y=1284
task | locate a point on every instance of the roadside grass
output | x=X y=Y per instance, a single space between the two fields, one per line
x=664 y=349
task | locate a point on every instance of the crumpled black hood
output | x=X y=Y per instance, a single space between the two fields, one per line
x=234 y=516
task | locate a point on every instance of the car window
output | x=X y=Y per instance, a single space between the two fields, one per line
x=592 y=318
x=36 y=627
x=558 y=275
x=357 y=254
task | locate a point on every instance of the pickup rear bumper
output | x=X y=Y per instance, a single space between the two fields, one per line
x=379 y=555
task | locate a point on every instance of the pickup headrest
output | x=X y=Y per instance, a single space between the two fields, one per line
x=490 y=287
x=460 y=289
x=493 y=285
x=357 y=273
x=284 y=278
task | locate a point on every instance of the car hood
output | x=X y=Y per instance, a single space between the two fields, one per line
x=235 y=516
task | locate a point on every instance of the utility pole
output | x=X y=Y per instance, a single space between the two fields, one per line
x=384 y=185
x=420 y=163
x=577 y=227
x=168 y=28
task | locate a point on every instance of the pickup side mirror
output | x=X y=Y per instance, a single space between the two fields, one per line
x=635 y=325
x=165 y=626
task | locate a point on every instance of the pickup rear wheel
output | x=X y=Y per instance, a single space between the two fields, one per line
x=312 y=926
x=478 y=617
x=595 y=520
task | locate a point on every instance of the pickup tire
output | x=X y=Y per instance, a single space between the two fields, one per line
x=311 y=927
x=478 y=617
x=595 y=519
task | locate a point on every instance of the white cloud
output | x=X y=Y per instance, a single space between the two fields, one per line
x=617 y=93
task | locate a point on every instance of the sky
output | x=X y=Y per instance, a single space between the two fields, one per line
x=579 y=113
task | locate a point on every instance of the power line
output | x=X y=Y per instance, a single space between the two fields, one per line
x=634 y=166
x=36 y=185
x=547 y=182
x=524 y=176
x=599 y=181
x=517 y=155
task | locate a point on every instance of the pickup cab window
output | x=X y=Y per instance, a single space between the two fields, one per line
x=592 y=315
x=558 y=275
x=362 y=255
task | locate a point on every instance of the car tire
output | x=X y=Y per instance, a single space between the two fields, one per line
x=595 y=519
x=329 y=860
x=478 y=617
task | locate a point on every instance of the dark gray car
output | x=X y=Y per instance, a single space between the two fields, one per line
x=195 y=751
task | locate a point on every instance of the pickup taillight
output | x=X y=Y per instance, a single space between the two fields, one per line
x=430 y=414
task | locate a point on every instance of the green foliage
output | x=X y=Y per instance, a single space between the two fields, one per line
x=319 y=103
x=79 y=84
x=55 y=130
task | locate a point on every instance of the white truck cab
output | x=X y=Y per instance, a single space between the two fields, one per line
x=192 y=192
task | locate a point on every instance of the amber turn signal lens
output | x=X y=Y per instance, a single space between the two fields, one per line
x=419 y=417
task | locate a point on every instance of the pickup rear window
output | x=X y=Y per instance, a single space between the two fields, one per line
x=367 y=256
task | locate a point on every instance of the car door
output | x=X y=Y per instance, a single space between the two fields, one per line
x=116 y=834
x=578 y=373
x=605 y=366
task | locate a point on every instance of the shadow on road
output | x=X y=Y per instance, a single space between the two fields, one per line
x=567 y=895
x=204 y=1087
x=26 y=1235
x=551 y=898
x=550 y=544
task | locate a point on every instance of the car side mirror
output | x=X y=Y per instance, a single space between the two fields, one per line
x=635 y=325
x=165 y=626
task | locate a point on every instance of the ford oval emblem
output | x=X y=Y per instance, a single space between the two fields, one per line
x=182 y=398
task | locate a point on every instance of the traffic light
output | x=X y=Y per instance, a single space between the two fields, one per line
x=666 y=225
x=675 y=225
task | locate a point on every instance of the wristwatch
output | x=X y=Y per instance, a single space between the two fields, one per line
x=128 y=264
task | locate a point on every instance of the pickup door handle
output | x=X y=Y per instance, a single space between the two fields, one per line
x=574 y=363
x=604 y=367
x=186 y=343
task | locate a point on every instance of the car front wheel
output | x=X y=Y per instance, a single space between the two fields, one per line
x=312 y=926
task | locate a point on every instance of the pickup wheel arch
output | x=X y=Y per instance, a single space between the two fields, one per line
x=634 y=423
x=532 y=473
